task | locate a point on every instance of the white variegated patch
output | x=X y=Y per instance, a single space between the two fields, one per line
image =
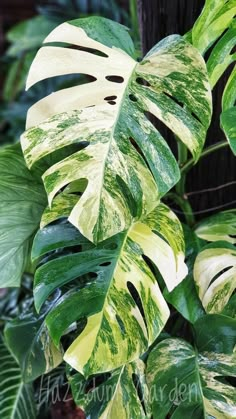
x=215 y=276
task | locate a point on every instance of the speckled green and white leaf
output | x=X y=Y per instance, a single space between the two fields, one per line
x=120 y=395
x=218 y=227
x=23 y=200
x=61 y=206
x=106 y=113
x=216 y=17
x=215 y=275
x=124 y=307
x=227 y=120
x=28 y=339
x=185 y=384
x=221 y=56
x=16 y=398
x=228 y=115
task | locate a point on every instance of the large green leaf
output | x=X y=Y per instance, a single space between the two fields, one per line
x=124 y=307
x=16 y=398
x=35 y=352
x=186 y=383
x=22 y=203
x=218 y=227
x=108 y=117
x=215 y=275
x=122 y=394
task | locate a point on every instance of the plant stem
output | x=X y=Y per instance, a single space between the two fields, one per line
x=188 y=165
x=182 y=158
x=185 y=206
x=179 y=197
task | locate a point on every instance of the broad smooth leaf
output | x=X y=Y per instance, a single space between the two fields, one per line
x=108 y=116
x=218 y=227
x=186 y=383
x=215 y=333
x=215 y=275
x=122 y=393
x=16 y=398
x=122 y=302
x=22 y=203
x=29 y=341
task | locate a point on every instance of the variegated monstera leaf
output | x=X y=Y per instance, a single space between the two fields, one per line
x=125 y=161
x=217 y=25
x=215 y=265
x=108 y=399
x=121 y=302
x=215 y=275
x=189 y=383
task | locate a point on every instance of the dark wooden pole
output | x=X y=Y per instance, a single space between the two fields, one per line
x=159 y=18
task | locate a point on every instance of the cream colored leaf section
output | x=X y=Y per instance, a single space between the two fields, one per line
x=215 y=277
x=69 y=61
x=221 y=226
x=173 y=271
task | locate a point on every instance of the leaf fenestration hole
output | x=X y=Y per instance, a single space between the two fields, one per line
x=115 y=79
x=136 y=297
x=143 y=82
x=110 y=97
x=133 y=98
x=76 y=47
x=111 y=102
x=173 y=98
x=105 y=264
x=227 y=268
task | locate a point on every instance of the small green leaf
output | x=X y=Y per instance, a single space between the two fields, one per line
x=215 y=333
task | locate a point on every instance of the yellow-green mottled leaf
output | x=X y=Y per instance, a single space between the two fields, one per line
x=123 y=394
x=216 y=17
x=122 y=302
x=61 y=207
x=107 y=116
x=215 y=275
x=184 y=383
x=218 y=227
